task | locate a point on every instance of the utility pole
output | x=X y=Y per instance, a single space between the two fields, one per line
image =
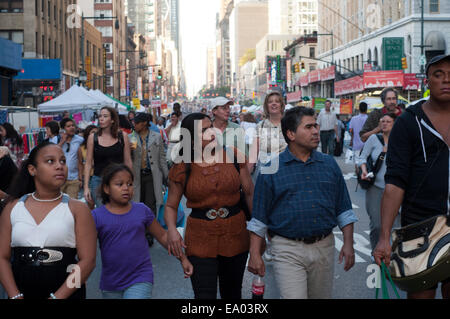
x=422 y=45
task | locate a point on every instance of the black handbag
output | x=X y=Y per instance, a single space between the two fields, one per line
x=371 y=167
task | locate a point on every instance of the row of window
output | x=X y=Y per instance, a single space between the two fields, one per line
x=12 y=6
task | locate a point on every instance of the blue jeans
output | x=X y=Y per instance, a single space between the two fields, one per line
x=94 y=184
x=142 y=290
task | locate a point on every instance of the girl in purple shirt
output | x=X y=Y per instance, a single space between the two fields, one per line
x=127 y=271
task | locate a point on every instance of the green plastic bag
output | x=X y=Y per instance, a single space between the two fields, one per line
x=384 y=286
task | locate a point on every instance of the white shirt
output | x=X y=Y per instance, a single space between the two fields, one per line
x=56 y=230
x=327 y=120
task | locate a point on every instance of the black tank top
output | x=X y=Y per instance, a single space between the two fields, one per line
x=103 y=156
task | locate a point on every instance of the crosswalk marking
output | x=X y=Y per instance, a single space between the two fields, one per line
x=361 y=245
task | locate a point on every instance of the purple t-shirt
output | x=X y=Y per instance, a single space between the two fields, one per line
x=357 y=123
x=124 y=247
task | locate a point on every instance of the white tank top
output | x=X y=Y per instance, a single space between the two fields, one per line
x=56 y=230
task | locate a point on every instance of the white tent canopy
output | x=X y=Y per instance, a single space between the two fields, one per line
x=75 y=98
x=99 y=94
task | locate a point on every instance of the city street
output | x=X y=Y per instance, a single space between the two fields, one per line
x=170 y=282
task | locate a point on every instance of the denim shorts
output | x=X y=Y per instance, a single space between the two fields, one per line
x=142 y=290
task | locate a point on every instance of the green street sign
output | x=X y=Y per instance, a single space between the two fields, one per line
x=393 y=52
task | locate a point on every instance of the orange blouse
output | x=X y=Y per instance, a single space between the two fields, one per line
x=214 y=187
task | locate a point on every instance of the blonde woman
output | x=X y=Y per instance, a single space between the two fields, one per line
x=269 y=137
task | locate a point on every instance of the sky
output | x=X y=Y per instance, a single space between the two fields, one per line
x=197 y=31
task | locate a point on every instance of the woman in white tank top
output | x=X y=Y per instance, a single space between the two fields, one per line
x=48 y=241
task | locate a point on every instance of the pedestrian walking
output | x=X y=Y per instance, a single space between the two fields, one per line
x=82 y=155
x=149 y=164
x=109 y=145
x=8 y=170
x=327 y=122
x=70 y=143
x=339 y=146
x=52 y=132
x=228 y=133
x=355 y=126
x=375 y=146
x=43 y=232
x=248 y=124
x=389 y=98
x=173 y=131
x=11 y=139
x=418 y=171
x=269 y=137
x=127 y=271
x=216 y=239
x=299 y=206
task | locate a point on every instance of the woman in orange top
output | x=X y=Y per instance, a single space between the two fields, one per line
x=216 y=240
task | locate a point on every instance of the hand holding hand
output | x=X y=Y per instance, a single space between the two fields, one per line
x=188 y=268
x=175 y=243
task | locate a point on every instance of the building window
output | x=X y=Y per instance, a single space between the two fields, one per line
x=434 y=6
x=14 y=6
x=14 y=36
x=312 y=52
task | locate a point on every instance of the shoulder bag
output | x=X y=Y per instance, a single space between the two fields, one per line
x=421 y=252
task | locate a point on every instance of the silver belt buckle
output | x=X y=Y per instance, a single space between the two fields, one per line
x=52 y=256
x=221 y=212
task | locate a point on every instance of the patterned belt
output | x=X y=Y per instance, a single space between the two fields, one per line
x=212 y=214
x=48 y=256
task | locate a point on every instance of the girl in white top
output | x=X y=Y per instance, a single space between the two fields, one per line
x=43 y=231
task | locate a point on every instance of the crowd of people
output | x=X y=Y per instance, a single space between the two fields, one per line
x=259 y=191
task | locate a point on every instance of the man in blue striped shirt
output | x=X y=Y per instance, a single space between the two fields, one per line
x=299 y=206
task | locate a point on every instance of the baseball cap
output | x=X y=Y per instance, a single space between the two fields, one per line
x=141 y=117
x=220 y=101
x=436 y=59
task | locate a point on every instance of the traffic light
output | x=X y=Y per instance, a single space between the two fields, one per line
x=303 y=66
x=297 y=67
x=159 y=74
x=404 y=63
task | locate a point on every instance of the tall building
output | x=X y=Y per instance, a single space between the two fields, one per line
x=112 y=23
x=372 y=36
x=293 y=16
x=248 y=24
x=223 y=68
x=141 y=14
x=210 y=67
x=50 y=35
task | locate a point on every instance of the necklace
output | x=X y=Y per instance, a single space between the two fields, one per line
x=46 y=200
